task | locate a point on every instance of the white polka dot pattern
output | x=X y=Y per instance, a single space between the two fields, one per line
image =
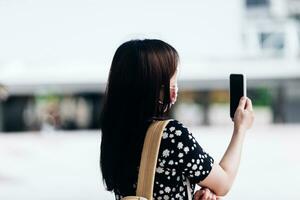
x=180 y=158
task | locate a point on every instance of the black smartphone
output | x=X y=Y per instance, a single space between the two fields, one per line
x=237 y=90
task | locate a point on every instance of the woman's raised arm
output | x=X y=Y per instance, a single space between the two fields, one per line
x=222 y=175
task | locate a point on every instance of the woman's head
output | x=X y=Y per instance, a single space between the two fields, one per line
x=142 y=86
x=140 y=76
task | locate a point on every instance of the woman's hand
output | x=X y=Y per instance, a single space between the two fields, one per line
x=222 y=175
x=205 y=194
x=243 y=116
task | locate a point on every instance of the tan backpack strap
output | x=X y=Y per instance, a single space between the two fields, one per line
x=149 y=159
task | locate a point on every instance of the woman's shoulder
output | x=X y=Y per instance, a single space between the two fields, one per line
x=176 y=127
x=175 y=124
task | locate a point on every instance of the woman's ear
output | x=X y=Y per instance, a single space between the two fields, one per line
x=173 y=96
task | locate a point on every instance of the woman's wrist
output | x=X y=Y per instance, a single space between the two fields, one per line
x=239 y=130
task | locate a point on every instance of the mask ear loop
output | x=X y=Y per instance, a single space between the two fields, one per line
x=160 y=101
x=172 y=102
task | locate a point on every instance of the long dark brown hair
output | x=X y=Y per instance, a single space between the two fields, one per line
x=137 y=92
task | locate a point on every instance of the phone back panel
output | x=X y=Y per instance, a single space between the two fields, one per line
x=237 y=90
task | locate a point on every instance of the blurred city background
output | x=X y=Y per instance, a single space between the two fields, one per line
x=54 y=63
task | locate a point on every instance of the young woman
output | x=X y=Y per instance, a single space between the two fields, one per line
x=142 y=87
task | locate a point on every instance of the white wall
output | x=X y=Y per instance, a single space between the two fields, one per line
x=66 y=37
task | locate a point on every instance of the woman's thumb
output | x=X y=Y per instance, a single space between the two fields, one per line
x=242 y=102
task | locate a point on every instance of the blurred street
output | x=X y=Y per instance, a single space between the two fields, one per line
x=64 y=165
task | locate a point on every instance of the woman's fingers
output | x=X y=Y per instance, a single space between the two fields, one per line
x=249 y=104
x=206 y=194
x=242 y=103
x=244 y=116
x=198 y=194
x=214 y=197
x=209 y=196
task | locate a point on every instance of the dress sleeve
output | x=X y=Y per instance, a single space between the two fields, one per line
x=187 y=155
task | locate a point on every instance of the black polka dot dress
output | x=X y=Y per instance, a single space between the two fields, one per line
x=181 y=162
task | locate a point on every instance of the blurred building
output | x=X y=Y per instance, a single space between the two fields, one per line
x=55 y=66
